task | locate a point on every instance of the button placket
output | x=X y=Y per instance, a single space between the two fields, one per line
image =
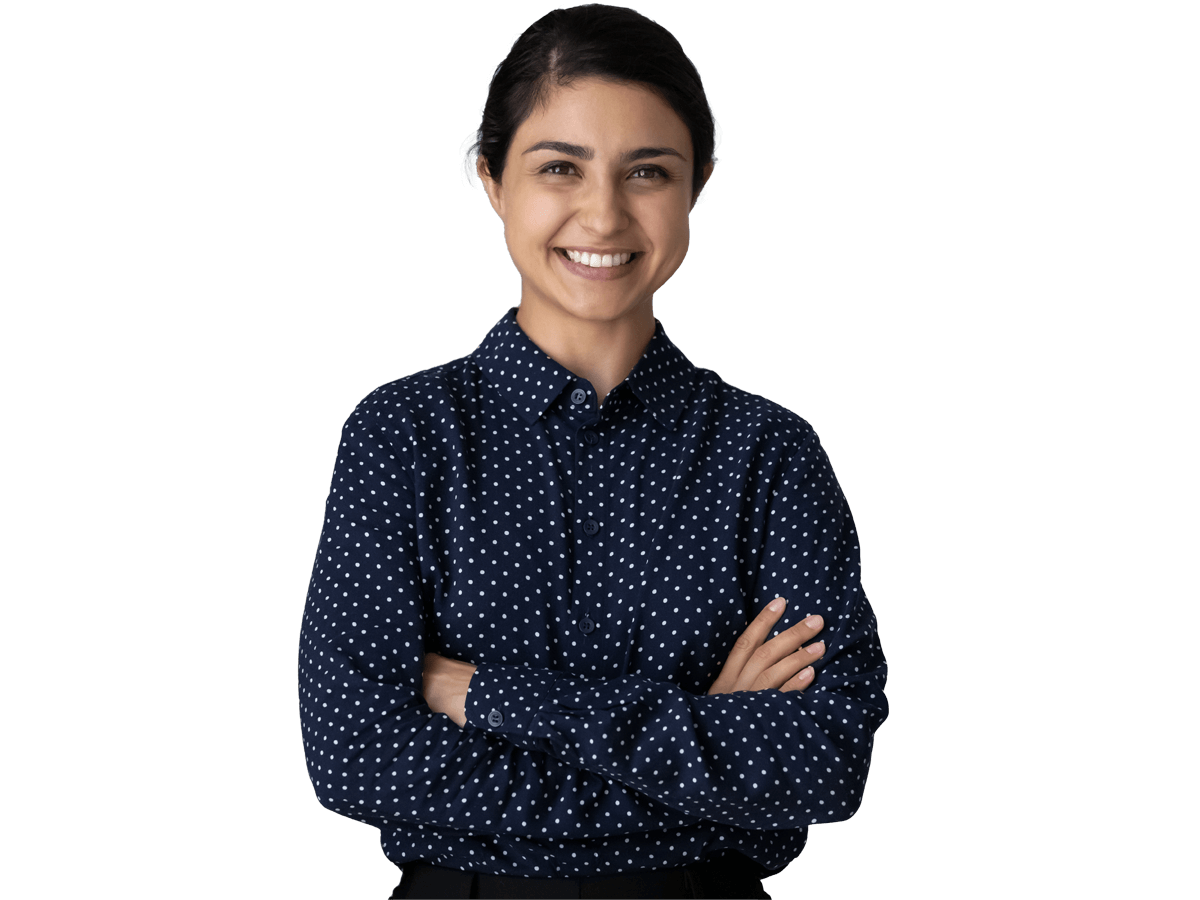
x=586 y=439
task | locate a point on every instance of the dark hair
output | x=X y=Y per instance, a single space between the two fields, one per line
x=596 y=41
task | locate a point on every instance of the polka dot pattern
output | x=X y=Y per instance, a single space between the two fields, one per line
x=597 y=563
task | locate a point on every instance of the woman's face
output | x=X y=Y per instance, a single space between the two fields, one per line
x=603 y=169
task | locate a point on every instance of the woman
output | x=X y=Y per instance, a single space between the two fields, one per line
x=520 y=654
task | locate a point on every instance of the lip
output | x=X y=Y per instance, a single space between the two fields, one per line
x=600 y=273
x=611 y=251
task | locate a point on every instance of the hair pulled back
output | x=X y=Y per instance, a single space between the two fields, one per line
x=593 y=41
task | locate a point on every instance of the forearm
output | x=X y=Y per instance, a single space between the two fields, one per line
x=379 y=754
x=803 y=759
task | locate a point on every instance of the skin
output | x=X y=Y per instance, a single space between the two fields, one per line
x=550 y=199
x=617 y=178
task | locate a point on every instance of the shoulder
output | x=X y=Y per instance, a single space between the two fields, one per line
x=400 y=404
x=758 y=418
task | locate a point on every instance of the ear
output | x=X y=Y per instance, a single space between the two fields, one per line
x=495 y=195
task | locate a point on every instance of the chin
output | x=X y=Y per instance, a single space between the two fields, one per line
x=602 y=309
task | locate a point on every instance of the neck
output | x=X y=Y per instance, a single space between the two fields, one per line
x=603 y=352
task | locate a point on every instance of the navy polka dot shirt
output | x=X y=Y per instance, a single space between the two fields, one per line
x=597 y=563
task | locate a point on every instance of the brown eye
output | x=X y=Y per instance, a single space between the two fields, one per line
x=558 y=168
x=647 y=173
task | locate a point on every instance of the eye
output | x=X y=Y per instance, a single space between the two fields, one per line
x=647 y=173
x=641 y=173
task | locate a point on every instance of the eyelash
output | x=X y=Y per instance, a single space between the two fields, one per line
x=654 y=170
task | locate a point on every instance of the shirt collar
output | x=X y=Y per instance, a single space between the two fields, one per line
x=522 y=372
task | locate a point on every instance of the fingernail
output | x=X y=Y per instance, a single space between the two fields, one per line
x=805 y=673
x=818 y=647
x=814 y=621
x=777 y=604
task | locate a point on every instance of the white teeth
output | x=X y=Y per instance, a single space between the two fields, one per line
x=596 y=261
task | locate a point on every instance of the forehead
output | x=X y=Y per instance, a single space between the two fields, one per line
x=606 y=116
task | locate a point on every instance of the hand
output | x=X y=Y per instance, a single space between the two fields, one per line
x=444 y=683
x=780 y=663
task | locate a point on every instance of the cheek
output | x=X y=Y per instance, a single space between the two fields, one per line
x=670 y=229
x=537 y=218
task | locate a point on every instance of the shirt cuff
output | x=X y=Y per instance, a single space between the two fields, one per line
x=505 y=699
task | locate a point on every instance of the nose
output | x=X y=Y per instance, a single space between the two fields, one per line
x=602 y=208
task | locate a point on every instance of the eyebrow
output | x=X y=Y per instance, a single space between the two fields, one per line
x=588 y=153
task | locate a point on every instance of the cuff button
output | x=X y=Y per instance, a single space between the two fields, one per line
x=495 y=717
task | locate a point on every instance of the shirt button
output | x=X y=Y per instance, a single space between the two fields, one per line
x=591 y=526
x=590 y=437
x=586 y=625
x=495 y=717
x=578 y=396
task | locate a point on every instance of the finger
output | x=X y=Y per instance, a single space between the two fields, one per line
x=785 y=643
x=807 y=629
x=756 y=632
x=748 y=641
x=780 y=674
x=800 y=681
x=760 y=626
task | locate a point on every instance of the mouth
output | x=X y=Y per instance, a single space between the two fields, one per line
x=597 y=260
x=599 y=273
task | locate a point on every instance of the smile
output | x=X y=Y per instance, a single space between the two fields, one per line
x=598 y=268
x=597 y=260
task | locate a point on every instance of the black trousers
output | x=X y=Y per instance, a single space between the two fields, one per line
x=713 y=878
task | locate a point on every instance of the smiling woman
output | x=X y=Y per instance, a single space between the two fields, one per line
x=596 y=220
x=595 y=142
x=548 y=648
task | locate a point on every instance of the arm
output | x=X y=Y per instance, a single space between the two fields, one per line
x=375 y=750
x=755 y=759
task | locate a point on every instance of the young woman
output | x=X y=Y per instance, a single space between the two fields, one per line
x=539 y=650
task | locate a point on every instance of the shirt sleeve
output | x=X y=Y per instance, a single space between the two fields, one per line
x=754 y=759
x=375 y=750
